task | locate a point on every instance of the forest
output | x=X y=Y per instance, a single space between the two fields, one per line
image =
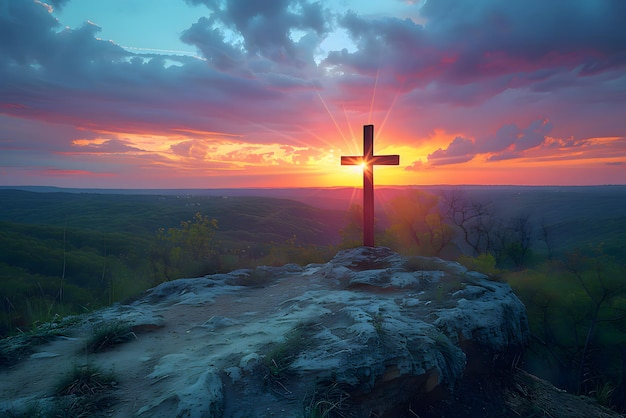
x=562 y=250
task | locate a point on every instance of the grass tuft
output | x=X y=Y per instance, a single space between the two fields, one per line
x=85 y=391
x=329 y=400
x=109 y=334
x=85 y=380
x=278 y=360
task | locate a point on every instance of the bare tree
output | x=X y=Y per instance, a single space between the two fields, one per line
x=601 y=280
x=521 y=238
x=473 y=218
x=546 y=237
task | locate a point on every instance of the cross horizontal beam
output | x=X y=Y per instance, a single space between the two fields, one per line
x=376 y=160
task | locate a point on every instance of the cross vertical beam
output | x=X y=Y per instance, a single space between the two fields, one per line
x=368 y=160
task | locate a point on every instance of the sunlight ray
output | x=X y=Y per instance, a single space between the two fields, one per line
x=331 y=115
x=373 y=95
x=355 y=143
x=356 y=197
x=382 y=125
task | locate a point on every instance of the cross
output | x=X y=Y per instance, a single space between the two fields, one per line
x=368 y=160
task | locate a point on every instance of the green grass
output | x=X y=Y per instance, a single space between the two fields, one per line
x=85 y=381
x=107 y=335
x=15 y=348
x=277 y=362
x=84 y=391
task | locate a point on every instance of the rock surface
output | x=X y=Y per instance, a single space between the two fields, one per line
x=370 y=333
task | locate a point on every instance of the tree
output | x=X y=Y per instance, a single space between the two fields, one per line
x=417 y=224
x=577 y=314
x=546 y=237
x=473 y=218
x=521 y=233
x=180 y=251
x=352 y=234
x=601 y=280
x=196 y=236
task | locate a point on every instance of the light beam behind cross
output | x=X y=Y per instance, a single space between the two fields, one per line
x=368 y=160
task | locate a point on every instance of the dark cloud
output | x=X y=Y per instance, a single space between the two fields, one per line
x=509 y=142
x=25 y=32
x=110 y=146
x=460 y=150
x=210 y=41
x=57 y=4
x=72 y=77
x=510 y=137
x=466 y=52
x=397 y=46
x=264 y=26
x=488 y=34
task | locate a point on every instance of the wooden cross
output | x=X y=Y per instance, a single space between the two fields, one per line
x=368 y=160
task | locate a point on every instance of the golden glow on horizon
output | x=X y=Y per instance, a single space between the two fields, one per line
x=310 y=157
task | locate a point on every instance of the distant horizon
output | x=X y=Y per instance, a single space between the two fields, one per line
x=312 y=187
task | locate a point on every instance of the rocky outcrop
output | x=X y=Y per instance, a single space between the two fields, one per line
x=370 y=333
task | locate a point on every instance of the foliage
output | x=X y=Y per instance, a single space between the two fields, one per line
x=64 y=253
x=483 y=263
x=294 y=251
x=183 y=251
x=417 y=226
x=352 y=232
x=577 y=315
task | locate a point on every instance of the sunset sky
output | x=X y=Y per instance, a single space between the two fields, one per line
x=247 y=93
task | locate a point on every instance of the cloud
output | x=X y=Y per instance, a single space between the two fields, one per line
x=213 y=46
x=509 y=142
x=465 y=52
x=508 y=79
x=265 y=27
x=196 y=149
x=417 y=165
x=109 y=146
x=460 y=150
x=57 y=4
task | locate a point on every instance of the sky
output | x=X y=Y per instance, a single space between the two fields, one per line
x=246 y=93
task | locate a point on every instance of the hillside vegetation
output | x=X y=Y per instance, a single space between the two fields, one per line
x=66 y=252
